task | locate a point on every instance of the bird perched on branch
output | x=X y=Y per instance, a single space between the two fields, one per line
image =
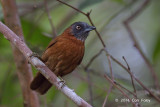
x=63 y=54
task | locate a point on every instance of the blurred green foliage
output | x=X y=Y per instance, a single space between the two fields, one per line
x=156 y=52
x=108 y=19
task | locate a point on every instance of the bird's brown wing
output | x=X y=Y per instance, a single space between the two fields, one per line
x=39 y=83
x=52 y=43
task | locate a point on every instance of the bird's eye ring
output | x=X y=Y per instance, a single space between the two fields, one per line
x=78 y=27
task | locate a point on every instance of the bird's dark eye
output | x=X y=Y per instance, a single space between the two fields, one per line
x=78 y=27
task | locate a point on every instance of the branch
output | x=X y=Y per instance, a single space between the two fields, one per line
x=134 y=88
x=92 y=59
x=24 y=71
x=85 y=80
x=89 y=79
x=118 y=84
x=30 y=7
x=136 y=44
x=54 y=33
x=108 y=92
x=41 y=67
x=110 y=66
x=138 y=81
x=89 y=18
x=112 y=82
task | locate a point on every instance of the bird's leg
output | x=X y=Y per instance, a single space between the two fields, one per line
x=62 y=81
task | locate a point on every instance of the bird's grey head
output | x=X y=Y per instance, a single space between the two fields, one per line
x=81 y=30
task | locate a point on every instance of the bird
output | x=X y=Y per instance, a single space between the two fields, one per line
x=63 y=54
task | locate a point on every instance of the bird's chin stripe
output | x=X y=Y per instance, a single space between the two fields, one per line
x=83 y=37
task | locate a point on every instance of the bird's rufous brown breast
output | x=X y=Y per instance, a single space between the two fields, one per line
x=64 y=54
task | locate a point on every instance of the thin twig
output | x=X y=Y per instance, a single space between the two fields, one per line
x=84 y=79
x=136 y=44
x=106 y=98
x=88 y=75
x=95 y=56
x=112 y=82
x=54 y=33
x=111 y=19
x=90 y=88
x=92 y=59
x=38 y=19
x=29 y=8
x=71 y=7
x=124 y=88
x=88 y=16
x=142 y=85
x=110 y=66
x=131 y=77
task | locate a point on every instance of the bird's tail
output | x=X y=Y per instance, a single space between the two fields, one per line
x=40 y=84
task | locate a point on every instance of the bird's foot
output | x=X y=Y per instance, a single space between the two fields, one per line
x=62 y=81
x=35 y=55
x=73 y=90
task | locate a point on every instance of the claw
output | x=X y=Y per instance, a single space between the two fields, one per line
x=35 y=55
x=73 y=90
x=62 y=81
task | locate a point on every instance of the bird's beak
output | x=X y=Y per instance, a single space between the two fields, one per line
x=90 y=28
